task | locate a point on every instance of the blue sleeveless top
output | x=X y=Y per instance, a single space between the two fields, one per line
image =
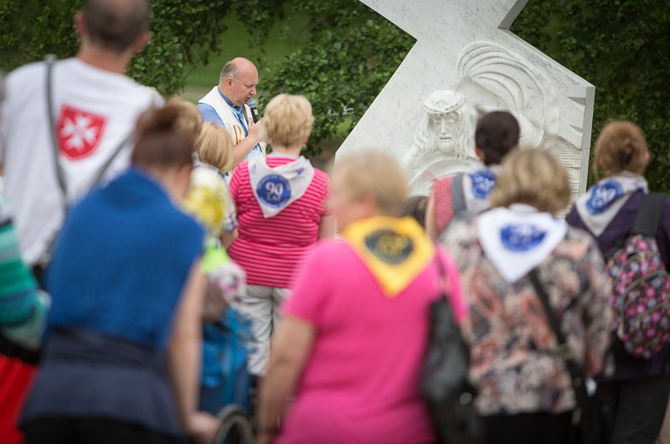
x=121 y=262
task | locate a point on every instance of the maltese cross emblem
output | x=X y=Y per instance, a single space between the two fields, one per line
x=79 y=132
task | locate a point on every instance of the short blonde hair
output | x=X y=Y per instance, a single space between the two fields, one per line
x=535 y=177
x=377 y=174
x=215 y=147
x=287 y=120
x=620 y=146
x=189 y=119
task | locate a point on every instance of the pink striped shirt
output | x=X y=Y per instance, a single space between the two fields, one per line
x=270 y=249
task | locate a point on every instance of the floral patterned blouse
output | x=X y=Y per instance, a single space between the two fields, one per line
x=514 y=362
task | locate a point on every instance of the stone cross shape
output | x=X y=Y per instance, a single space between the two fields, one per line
x=466 y=45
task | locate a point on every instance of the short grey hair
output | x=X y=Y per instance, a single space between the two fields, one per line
x=231 y=70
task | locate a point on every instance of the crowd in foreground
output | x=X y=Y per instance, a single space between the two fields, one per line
x=159 y=274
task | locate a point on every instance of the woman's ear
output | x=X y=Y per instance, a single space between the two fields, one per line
x=479 y=153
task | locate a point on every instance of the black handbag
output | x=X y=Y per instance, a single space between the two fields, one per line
x=587 y=416
x=444 y=376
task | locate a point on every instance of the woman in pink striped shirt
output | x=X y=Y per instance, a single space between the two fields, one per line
x=281 y=206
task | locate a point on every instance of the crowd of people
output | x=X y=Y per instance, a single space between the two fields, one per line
x=162 y=260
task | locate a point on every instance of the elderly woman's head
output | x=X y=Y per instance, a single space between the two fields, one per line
x=621 y=146
x=497 y=133
x=533 y=177
x=287 y=121
x=368 y=184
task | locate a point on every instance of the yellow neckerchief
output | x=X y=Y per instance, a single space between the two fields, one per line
x=395 y=250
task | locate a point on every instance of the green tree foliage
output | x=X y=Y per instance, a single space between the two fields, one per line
x=184 y=33
x=622 y=48
x=33 y=28
x=350 y=55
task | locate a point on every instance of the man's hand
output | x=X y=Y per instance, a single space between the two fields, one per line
x=242 y=149
x=253 y=131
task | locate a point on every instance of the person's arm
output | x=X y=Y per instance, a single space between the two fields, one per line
x=23 y=307
x=327 y=227
x=242 y=149
x=291 y=348
x=184 y=358
x=327 y=223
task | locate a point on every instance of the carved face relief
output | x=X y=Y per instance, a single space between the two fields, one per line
x=444 y=128
x=462 y=45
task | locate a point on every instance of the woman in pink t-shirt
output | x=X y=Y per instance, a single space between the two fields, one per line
x=355 y=329
x=281 y=209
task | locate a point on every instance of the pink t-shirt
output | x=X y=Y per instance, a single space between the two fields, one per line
x=360 y=383
x=270 y=249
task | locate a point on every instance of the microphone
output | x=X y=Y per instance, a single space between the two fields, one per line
x=254 y=110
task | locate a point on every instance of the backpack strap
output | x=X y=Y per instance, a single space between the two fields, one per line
x=649 y=215
x=50 y=59
x=457 y=195
x=576 y=376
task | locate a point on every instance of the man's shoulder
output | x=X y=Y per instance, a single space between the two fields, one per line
x=209 y=114
x=26 y=73
x=80 y=75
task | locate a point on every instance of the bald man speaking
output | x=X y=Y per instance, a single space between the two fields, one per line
x=226 y=105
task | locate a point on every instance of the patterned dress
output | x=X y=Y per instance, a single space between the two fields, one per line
x=514 y=361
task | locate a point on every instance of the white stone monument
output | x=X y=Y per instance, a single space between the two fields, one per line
x=465 y=47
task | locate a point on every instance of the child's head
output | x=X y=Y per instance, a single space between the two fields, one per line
x=497 y=134
x=215 y=147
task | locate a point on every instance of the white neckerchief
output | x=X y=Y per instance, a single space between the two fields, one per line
x=518 y=238
x=276 y=188
x=598 y=206
x=478 y=181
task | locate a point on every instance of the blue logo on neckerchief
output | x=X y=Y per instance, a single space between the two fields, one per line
x=521 y=238
x=482 y=183
x=274 y=191
x=603 y=195
x=389 y=247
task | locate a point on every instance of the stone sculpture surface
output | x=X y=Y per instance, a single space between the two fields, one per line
x=443 y=140
x=465 y=47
